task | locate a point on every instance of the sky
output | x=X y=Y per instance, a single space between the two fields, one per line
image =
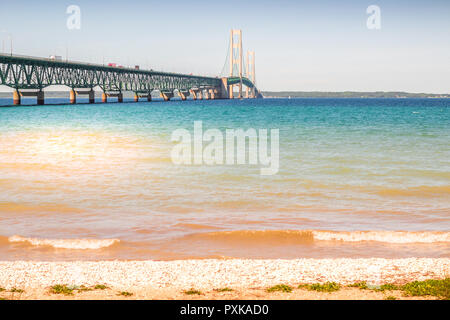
x=310 y=45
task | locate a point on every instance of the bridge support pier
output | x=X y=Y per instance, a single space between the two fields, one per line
x=166 y=95
x=38 y=94
x=138 y=96
x=40 y=98
x=16 y=98
x=74 y=93
x=91 y=96
x=183 y=94
x=73 y=96
x=221 y=92
x=193 y=93
x=106 y=95
x=247 y=93
x=212 y=94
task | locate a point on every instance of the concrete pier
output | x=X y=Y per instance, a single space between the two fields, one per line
x=212 y=94
x=193 y=93
x=230 y=92
x=183 y=94
x=138 y=96
x=106 y=95
x=222 y=91
x=40 y=98
x=38 y=94
x=76 y=92
x=166 y=95
x=73 y=96
x=16 y=98
x=91 y=96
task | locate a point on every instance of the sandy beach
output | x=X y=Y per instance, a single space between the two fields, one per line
x=248 y=279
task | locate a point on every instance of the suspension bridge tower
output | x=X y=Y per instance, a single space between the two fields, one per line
x=236 y=59
x=251 y=75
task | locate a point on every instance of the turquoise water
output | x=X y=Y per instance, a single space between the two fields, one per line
x=104 y=171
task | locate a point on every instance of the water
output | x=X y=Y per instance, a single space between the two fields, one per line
x=357 y=178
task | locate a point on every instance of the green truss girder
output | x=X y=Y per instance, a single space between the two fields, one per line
x=236 y=80
x=36 y=73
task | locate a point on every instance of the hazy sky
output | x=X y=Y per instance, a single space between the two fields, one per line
x=300 y=45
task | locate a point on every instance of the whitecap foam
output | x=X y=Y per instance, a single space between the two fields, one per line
x=384 y=236
x=280 y=237
x=80 y=244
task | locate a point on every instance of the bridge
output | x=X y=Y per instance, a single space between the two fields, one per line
x=29 y=76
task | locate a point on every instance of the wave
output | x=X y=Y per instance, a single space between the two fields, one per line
x=251 y=238
x=384 y=236
x=278 y=237
x=267 y=237
x=79 y=244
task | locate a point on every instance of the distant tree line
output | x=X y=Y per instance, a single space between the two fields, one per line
x=349 y=94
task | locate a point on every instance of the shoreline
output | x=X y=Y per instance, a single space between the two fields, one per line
x=247 y=278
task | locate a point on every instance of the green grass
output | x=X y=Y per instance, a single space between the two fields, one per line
x=61 y=289
x=326 y=287
x=365 y=286
x=69 y=290
x=280 y=288
x=15 y=290
x=390 y=298
x=100 y=287
x=192 y=292
x=226 y=289
x=388 y=287
x=2 y=289
x=361 y=285
x=437 y=288
x=84 y=288
x=125 y=294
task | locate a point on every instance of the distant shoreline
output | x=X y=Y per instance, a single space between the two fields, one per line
x=351 y=94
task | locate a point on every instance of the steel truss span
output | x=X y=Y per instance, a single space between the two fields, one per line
x=28 y=76
x=37 y=73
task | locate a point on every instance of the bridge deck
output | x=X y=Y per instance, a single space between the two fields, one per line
x=29 y=60
x=33 y=73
